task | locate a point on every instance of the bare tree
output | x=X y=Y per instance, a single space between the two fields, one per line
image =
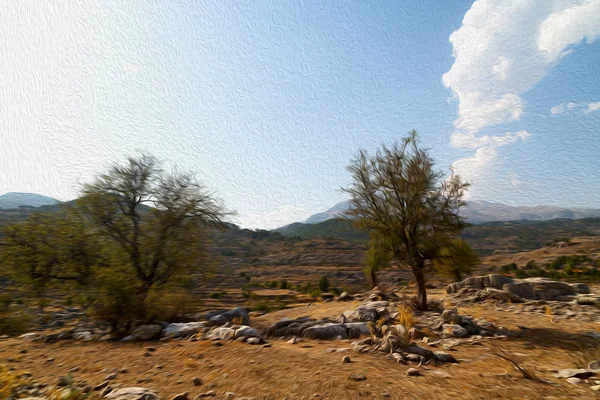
x=398 y=195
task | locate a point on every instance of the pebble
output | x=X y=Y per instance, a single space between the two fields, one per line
x=413 y=372
x=182 y=396
x=357 y=377
x=346 y=359
x=197 y=381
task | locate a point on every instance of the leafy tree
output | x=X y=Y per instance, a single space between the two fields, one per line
x=156 y=220
x=455 y=259
x=49 y=247
x=378 y=258
x=324 y=284
x=397 y=194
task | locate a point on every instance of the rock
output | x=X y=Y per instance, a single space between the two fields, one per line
x=293 y=340
x=84 y=335
x=223 y=333
x=246 y=331
x=132 y=393
x=455 y=330
x=346 y=359
x=575 y=373
x=197 y=381
x=549 y=288
x=110 y=377
x=254 y=340
x=502 y=295
x=228 y=316
x=30 y=336
x=596 y=388
x=496 y=281
x=325 y=332
x=356 y=330
x=210 y=393
x=147 y=332
x=580 y=288
x=357 y=377
x=344 y=296
x=574 y=381
x=520 y=289
x=64 y=381
x=229 y=395
x=413 y=372
x=181 y=396
x=595 y=365
x=361 y=314
x=101 y=386
x=182 y=329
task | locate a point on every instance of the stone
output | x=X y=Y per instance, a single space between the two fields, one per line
x=63 y=381
x=182 y=329
x=346 y=359
x=228 y=316
x=132 y=393
x=101 y=386
x=521 y=289
x=594 y=365
x=147 y=332
x=502 y=295
x=246 y=331
x=357 y=377
x=413 y=372
x=229 y=395
x=254 y=340
x=575 y=381
x=344 y=296
x=325 y=332
x=197 y=381
x=575 y=373
x=210 y=393
x=454 y=330
x=596 y=388
x=30 y=336
x=293 y=340
x=181 y=396
x=580 y=288
x=110 y=377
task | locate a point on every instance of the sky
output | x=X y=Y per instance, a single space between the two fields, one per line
x=268 y=101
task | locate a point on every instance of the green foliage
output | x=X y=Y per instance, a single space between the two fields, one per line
x=217 y=295
x=378 y=258
x=508 y=268
x=283 y=284
x=324 y=284
x=455 y=259
x=13 y=322
x=398 y=195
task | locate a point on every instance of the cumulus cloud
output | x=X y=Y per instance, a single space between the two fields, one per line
x=561 y=108
x=593 y=107
x=502 y=49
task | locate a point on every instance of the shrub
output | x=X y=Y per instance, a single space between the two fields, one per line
x=168 y=306
x=324 y=284
x=217 y=295
x=283 y=284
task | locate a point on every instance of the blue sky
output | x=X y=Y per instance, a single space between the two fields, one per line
x=268 y=101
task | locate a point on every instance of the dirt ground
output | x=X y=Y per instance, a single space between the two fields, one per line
x=309 y=369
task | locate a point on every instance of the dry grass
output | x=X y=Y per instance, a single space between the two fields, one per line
x=514 y=360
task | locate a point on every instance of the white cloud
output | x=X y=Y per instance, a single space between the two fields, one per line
x=593 y=107
x=502 y=49
x=561 y=108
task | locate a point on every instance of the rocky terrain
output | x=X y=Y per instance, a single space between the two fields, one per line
x=534 y=339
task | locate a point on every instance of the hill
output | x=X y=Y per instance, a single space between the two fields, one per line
x=478 y=212
x=18 y=199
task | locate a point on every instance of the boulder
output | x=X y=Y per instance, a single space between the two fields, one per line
x=147 y=332
x=182 y=329
x=222 y=333
x=325 y=332
x=456 y=331
x=520 y=289
x=361 y=314
x=580 y=288
x=496 y=281
x=502 y=295
x=548 y=288
x=356 y=329
x=246 y=331
x=241 y=314
x=344 y=296
x=132 y=393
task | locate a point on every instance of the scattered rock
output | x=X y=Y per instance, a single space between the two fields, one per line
x=346 y=359
x=197 y=381
x=413 y=372
x=357 y=377
x=574 y=381
x=575 y=373
x=132 y=393
x=101 y=386
x=210 y=393
x=181 y=396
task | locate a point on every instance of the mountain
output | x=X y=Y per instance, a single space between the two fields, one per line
x=479 y=212
x=17 y=199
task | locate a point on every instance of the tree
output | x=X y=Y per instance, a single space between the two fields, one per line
x=50 y=247
x=397 y=194
x=156 y=220
x=455 y=259
x=378 y=258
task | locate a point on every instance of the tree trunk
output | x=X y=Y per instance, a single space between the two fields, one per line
x=374 y=277
x=421 y=291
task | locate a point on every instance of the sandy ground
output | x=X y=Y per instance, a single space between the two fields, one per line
x=310 y=370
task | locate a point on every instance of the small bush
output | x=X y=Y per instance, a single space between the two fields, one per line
x=217 y=295
x=324 y=284
x=283 y=284
x=165 y=306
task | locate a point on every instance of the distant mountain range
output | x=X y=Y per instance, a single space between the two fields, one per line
x=18 y=199
x=479 y=212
